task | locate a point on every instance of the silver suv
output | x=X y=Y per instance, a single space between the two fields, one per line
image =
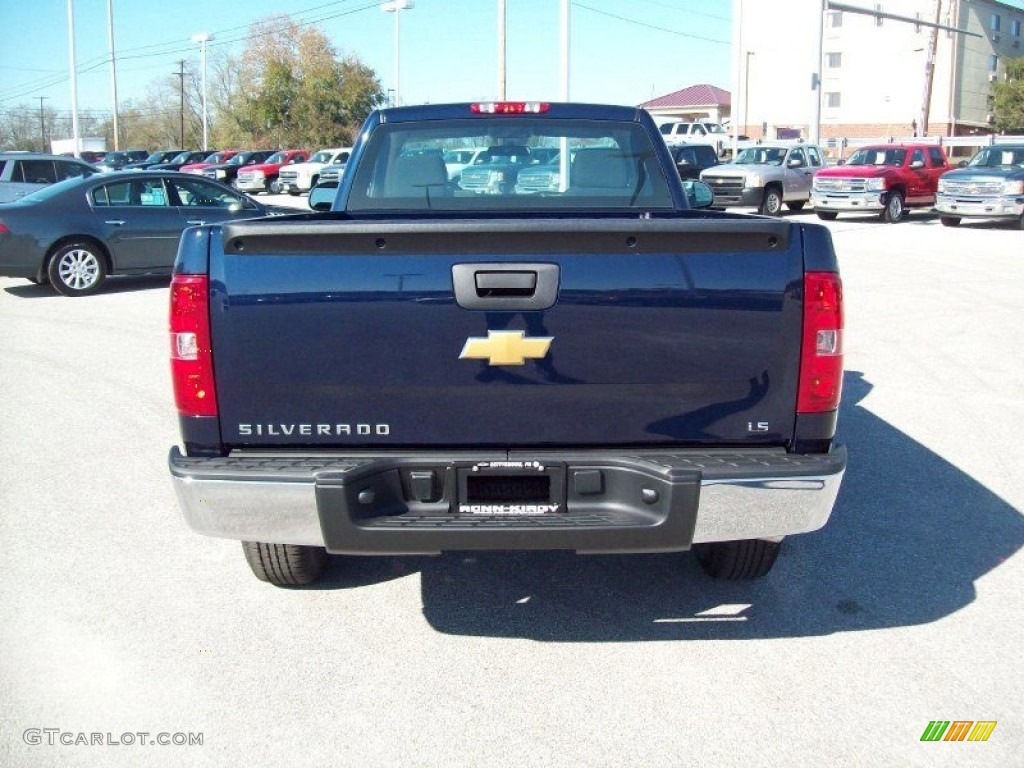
x=25 y=172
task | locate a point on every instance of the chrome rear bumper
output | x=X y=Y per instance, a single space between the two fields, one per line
x=698 y=497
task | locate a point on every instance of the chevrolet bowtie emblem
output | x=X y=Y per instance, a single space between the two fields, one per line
x=505 y=348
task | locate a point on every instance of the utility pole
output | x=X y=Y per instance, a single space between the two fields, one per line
x=929 y=72
x=42 y=123
x=113 y=68
x=181 y=74
x=501 y=50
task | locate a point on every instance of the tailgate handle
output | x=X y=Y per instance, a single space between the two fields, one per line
x=506 y=286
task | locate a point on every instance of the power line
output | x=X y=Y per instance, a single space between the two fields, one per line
x=652 y=26
x=687 y=11
x=45 y=83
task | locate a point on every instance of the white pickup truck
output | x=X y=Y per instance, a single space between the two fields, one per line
x=677 y=132
x=302 y=177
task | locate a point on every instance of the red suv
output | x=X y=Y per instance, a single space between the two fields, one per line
x=259 y=178
x=886 y=179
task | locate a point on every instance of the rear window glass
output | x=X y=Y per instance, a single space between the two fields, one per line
x=608 y=165
x=37 y=171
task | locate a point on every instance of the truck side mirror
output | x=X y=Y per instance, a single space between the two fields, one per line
x=698 y=194
x=321 y=197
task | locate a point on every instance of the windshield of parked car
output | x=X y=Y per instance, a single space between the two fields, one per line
x=277 y=157
x=321 y=157
x=891 y=156
x=181 y=158
x=116 y=157
x=403 y=166
x=713 y=128
x=998 y=157
x=156 y=157
x=761 y=156
x=240 y=158
x=216 y=158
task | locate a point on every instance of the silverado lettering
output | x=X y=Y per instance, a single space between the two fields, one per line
x=690 y=401
x=308 y=430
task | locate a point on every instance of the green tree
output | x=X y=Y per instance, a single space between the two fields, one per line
x=290 y=88
x=1008 y=98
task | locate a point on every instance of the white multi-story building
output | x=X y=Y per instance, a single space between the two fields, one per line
x=874 y=72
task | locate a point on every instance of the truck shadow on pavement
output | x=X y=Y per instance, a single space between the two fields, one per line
x=909 y=537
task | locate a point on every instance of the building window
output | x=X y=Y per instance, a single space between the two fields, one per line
x=994 y=23
x=1015 y=28
x=993 y=63
x=832 y=99
x=833 y=60
x=835 y=19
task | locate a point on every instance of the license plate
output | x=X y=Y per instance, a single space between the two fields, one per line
x=511 y=488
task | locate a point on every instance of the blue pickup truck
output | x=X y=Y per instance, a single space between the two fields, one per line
x=601 y=367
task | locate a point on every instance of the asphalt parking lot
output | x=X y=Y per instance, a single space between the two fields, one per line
x=905 y=609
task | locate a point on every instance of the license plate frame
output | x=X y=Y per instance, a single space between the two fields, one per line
x=510 y=488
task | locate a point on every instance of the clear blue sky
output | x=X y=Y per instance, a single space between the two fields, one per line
x=623 y=51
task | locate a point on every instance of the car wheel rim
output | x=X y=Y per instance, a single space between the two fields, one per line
x=774 y=203
x=895 y=207
x=78 y=269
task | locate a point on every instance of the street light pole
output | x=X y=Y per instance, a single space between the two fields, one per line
x=746 y=94
x=113 y=69
x=203 y=38
x=501 y=50
x=396 y=7
x=73 y=67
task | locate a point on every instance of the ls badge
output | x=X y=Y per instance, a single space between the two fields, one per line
x=505 y=348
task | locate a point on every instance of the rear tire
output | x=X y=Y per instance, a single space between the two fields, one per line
x=894 y=209
x=77 y=268
x=950 y=221
x=285 y=565
x=797 y=206
x=827 y=215
x=736 y=560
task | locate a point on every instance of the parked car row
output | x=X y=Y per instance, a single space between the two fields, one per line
x=885 y=179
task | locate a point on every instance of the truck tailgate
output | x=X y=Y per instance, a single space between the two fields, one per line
x=659 y=331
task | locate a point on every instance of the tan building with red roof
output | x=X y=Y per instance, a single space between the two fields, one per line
x=698 y=102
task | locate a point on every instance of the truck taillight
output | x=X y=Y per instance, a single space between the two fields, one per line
x=821 y=355
x=191 y=353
